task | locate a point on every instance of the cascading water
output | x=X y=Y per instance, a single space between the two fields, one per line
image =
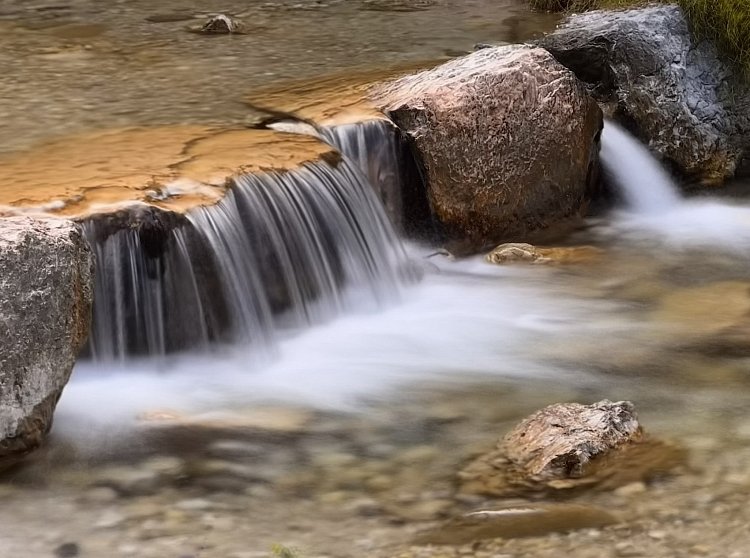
x=376 y=147
x=282 y=250
x=643 y=182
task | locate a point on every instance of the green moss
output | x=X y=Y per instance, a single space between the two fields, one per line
x=726 y=22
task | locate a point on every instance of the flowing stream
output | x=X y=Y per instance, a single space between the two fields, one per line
x=328 y=406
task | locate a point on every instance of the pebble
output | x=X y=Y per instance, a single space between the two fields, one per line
x=657 y=535
x=632 y=489
x=67 y=550
x=109 y=519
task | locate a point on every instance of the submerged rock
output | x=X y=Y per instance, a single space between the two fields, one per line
x=527 y=253
x=45 y=313
x=567 y=446
x=672 y=90
x=221 y=24
x=508 y=141
x=527 y=520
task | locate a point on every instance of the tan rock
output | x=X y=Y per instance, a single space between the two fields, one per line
x=527 y=253
x=507 y=137
x=173 y=168
x=568 y=446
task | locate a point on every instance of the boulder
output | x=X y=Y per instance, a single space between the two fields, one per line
x=507 y=138
x=45 y=312
x=673 y=91
x=568 y=446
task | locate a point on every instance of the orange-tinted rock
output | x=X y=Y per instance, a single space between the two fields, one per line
x=172 y=168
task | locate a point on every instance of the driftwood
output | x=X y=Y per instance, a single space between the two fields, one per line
x=568 y=446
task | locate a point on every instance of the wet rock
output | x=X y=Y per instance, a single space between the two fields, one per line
x=672 y=90
x=222 y=24
x=45 y=313
x=521 y=252
x=67 y=550
x=527 y=520
x=571 y=446
x=129 y=481
x=515 y=101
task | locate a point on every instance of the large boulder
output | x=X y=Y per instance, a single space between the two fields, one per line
x=45 y=312
x=508 y=139
x=673 y=91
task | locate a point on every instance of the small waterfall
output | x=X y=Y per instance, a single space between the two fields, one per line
x=376 y=147
x=282 y=250
x=646 y=187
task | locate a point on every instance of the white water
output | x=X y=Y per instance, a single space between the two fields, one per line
x=645 y=185
x=655 y=211
x=464 y=319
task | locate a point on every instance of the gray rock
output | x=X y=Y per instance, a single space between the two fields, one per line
x=508 y=139
x=673 y=91
x=45 y=313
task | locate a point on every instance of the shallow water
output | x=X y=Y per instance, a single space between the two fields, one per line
x=362 y=423
x=348 y=442
x=84 y=64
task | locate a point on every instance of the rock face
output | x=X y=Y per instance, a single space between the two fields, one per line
x=45 y=312
x=672 y=91
x=507 y=138
x=567 y=446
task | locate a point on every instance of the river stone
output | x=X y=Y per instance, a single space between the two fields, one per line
x=507 y=137
x=567 y=446
x=527 y=253
x=527 y=520
x=674 y=92
x=45 y=313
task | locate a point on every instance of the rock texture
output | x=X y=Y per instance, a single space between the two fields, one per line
x=673 y=91
x=568 y=446
x=526 y=253
x=45 y=311
x=507 y=138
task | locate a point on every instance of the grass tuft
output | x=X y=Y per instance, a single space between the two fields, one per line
x=726 y=22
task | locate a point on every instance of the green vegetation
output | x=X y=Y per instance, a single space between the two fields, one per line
x=726 y=22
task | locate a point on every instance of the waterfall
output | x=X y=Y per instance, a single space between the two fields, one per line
x=282 y=250
x=646 y=187
x=376 y=147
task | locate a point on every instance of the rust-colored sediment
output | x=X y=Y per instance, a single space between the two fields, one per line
x=96 y=172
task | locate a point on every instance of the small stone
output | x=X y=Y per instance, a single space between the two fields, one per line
x=195 y=504
x=626 y=550
x=364 y=507
x=700 y=550
x=632 y=489
x=657 y=535
x=131 y=482
x=109 y=519
x=101 y=494
x=67 y=550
